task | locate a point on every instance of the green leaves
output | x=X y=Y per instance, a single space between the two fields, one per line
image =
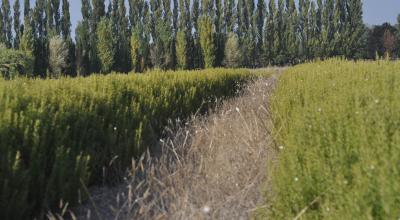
x=105 y=45
x=56 y=133
x=336 y=123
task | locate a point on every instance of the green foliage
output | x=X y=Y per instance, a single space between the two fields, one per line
x=58 y=56
x=232 y=51
x=337 y=134
x=7 y=24
x=105 y=45
x=56 y=133
x=82 y=48
x=17 y=24
x=207 y=41
x=181 y=50
x=14 y=63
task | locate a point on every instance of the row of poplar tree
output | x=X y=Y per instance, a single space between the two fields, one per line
x=183 y=34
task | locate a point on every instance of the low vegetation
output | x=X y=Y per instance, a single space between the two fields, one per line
x=337 y=128
x=14 y=63
x=60 y=135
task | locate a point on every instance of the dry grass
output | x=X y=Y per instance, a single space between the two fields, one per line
x=210 y=168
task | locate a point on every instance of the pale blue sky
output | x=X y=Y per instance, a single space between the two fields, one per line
x=375 y=11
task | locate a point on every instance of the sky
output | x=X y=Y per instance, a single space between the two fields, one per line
x=375 y=11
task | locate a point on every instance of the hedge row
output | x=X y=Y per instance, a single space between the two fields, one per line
x=56 y=134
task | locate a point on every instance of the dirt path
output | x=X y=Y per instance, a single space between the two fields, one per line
x=213 y=167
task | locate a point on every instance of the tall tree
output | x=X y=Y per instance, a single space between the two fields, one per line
x=328 y=28
x=84 y=48
x=27 y=8
x=98 y=10
x=319 y=51
x=2 y=29
x=56 y=15
x=290 y=33
x=313 y=40
x=197 y=59
x=17 y=24
x=41 y=41
x=50 y=27
x=270 y=33
x=219 y=38
x=105 y=45
x=279 y=43
x=7 y=23
x=206 y=36
x=304 y=29
x=340 y=17
x=28 y=38
x=66 y=20
x=82 y=39
x=355 y=29
x=122 y=35
x=65 y=25
x=260 y=17
x=229 y=8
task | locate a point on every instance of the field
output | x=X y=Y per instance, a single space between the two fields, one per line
x=337 y=128
x=58 y=136
x=315 y=141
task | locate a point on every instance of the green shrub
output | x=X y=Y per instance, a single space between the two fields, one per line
x=338 y=142
x=56 y=133
x=14 y=63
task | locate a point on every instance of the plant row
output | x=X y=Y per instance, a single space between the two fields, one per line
x=59 y=136
x=338 y=142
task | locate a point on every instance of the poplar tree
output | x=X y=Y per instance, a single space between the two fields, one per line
x=56 y=14
x=27 y=8
x=279 y=43
x=355 y=28
x=229 y=7
x=17 y=24
x=65 y=25
x=219 y=37
x=290 y=32
x=182 y=36
x=97 y=13
x=41 y=41
x=197 y=59
x=313 y=33
x=304 y=31
x=2 y=30
x=105 y=45
x=259 y=22
x=27 y=43
x=65 y=20
x=7 y=23
x=50 y=27
x=137 y=49
x=328 y=28
x=339 y=23
x=319 y=51
x=270 y=33
x=206 y=35
x=83 y=39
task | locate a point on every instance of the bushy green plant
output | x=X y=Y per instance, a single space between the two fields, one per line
x=14 y=63
x=58 y=133
x=338 y=142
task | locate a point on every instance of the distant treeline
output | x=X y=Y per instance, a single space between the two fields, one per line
x=188 y=34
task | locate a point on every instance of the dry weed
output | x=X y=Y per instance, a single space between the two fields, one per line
x=209 y=168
